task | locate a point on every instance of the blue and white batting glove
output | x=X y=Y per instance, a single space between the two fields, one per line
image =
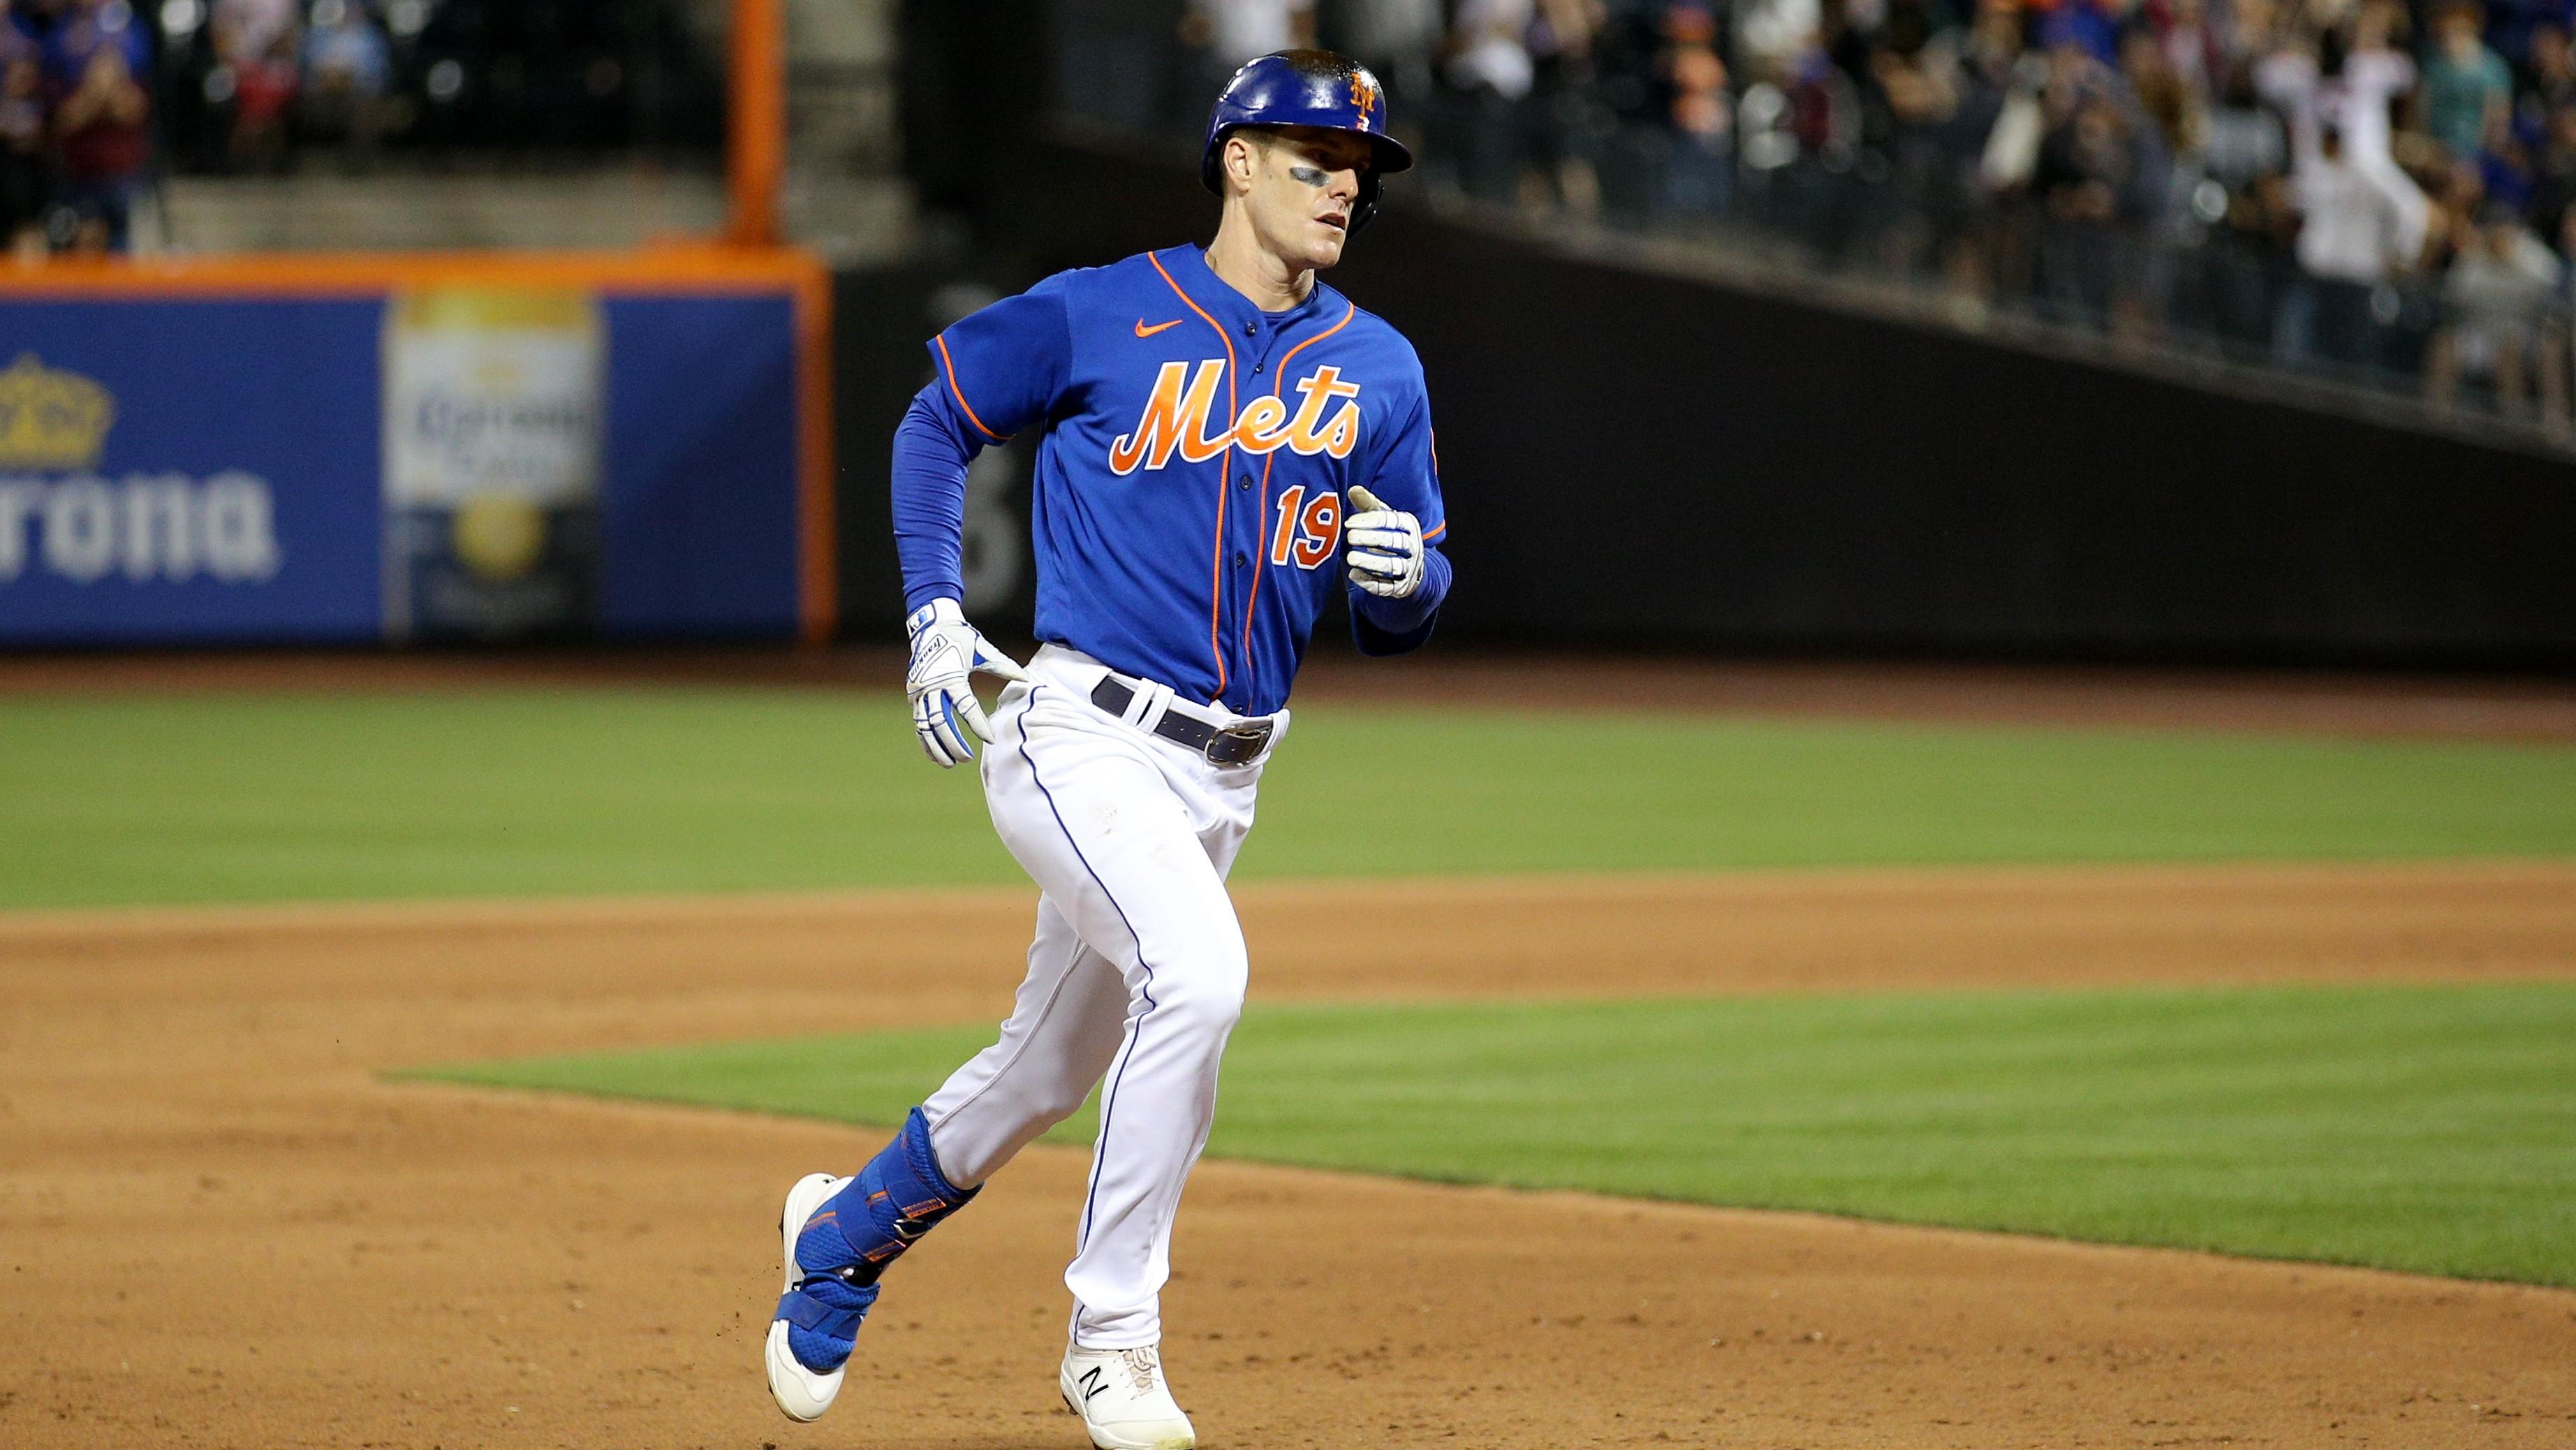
x=946 y=650
x=1384 y=547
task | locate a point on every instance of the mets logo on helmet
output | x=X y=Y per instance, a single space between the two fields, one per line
x=1364 y=94
x=1175 y=419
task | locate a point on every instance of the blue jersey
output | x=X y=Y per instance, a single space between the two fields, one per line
x=1188 y=497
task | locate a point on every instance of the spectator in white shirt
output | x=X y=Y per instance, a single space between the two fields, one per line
x=2357 y=97
x=1235 y=31
x=2357 y=230
x=1491 y=66
x=1489 y=47
x=2497 y=300
x=2349 y=88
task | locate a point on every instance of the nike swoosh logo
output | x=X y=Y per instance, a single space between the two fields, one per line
x=1143 y=331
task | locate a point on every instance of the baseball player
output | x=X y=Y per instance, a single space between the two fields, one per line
x=1223 y=442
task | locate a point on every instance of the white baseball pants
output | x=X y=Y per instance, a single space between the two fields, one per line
x=1136 y=976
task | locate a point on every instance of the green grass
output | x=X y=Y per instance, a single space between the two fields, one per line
x=2421 y=1128
x=184 y=798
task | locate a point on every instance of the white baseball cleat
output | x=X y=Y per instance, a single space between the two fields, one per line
x=800 y=1392
x=1123 y=1402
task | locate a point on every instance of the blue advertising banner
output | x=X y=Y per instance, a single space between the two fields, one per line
x=439 y=461
x=701 y=512
x=189 y=471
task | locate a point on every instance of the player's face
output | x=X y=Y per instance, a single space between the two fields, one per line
x=1305 y=183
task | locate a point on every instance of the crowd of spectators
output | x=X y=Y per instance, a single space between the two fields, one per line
x=2385 y=189
x=80 y=107
x=316 y=69
x=271 y=85
x=75 y=123
x=100 y=98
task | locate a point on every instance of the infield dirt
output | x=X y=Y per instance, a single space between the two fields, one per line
x=219 y=1227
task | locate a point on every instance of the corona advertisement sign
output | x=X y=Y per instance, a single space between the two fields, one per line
x=485 y=451
x=62 y=517
x=494 y=405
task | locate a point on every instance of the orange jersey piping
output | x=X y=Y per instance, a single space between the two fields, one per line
x=1278 y=380
x=1225 y=465
x=949 y=365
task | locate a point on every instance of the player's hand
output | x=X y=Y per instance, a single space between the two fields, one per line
x=946 y=650
x=1384 y=547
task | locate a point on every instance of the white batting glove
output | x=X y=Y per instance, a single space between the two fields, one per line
x=946 y=650
x=1384 y=547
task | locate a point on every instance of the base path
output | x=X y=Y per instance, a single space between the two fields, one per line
x=217 y=1227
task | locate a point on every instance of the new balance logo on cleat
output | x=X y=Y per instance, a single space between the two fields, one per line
x=1123 y=1402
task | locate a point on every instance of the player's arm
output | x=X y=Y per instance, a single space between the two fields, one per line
x=1397 y=574
x=993 y=373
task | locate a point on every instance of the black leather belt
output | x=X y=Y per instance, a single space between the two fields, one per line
x=1222 y=744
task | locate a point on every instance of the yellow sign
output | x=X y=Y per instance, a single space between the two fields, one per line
x=52 y=421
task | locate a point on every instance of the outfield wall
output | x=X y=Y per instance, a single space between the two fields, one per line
x=341 y=449
x=1747 y=470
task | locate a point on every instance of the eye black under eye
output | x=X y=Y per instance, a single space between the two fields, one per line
x=1330 y=164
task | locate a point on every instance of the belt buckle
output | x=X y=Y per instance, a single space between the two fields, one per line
x=1251 y=737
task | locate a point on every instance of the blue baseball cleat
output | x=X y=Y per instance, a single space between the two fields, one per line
x=836 y=1235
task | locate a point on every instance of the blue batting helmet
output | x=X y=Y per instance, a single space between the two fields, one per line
x=1308 y=88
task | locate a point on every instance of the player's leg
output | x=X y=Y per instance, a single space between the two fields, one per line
x=840 y=1234
x=1061 y=1035
x=1137 y=968
x=1111 y=832
x=1057 y=1042
x=1123 y=847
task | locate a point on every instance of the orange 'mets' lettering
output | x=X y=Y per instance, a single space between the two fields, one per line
x=1176 y=419
x=1319 y=389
